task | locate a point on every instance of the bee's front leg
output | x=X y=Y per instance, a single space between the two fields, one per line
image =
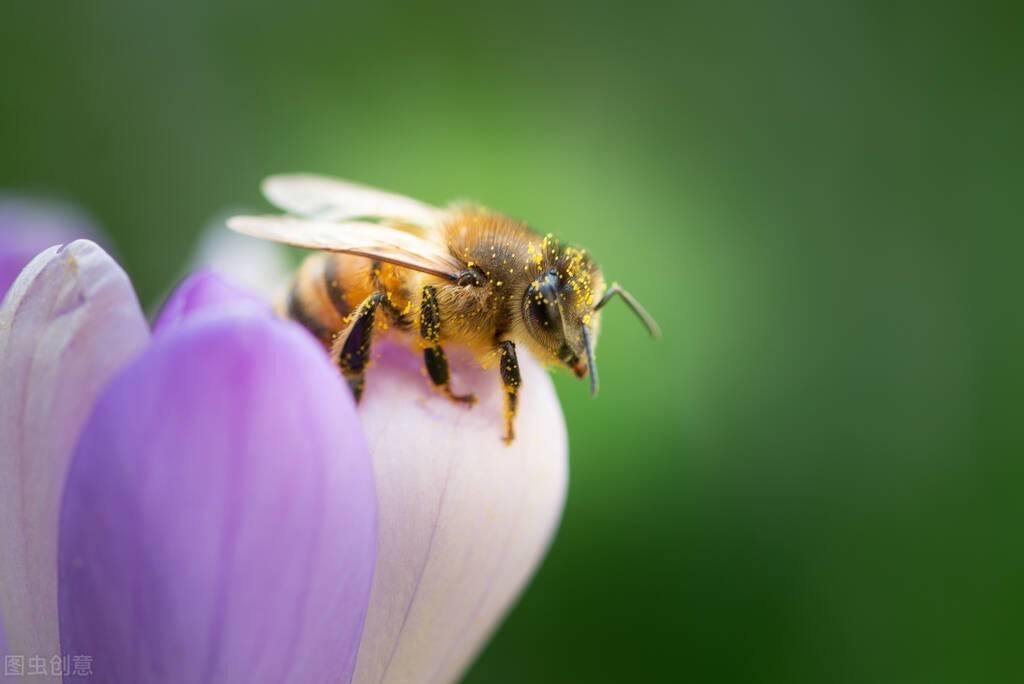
x=433 y=355
x=512 y=380
x=351 y=349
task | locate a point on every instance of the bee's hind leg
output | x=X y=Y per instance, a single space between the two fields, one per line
x=434 y=356
x=351 y=350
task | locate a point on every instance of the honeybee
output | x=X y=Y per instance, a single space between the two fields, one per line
x=462 y=275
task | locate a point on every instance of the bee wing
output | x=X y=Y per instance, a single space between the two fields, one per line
x=332 y=199
x=370 y=240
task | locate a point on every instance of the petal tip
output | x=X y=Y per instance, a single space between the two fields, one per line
x=204 y=292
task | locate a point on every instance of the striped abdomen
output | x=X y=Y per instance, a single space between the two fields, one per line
x=327 y=287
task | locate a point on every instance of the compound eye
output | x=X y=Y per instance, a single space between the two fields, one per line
x=543 y=301
x=541 y=310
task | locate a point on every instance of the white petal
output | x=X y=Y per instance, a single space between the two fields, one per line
x=69 y=322
x=464 y=520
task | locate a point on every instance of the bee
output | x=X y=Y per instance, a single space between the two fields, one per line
x=457 y=275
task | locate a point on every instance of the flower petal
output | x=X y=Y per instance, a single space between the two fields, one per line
x=219 y=519
x=4 y=650
x=206 y=292
x=464 y=519
x=69 y=322
x=27 y=227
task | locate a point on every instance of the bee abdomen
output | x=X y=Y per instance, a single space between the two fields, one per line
x=333 y=287
x=298 y=311
x=317 y=299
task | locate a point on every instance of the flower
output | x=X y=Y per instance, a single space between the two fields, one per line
x=223 y=498
x=218 y=520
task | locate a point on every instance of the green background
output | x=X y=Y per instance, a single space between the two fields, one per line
x=816 y=475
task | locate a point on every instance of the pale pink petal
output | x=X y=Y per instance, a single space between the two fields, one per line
x=70 y=320
x=464 y=520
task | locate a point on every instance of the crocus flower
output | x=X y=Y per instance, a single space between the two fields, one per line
x=218 y=518
x=220 y=488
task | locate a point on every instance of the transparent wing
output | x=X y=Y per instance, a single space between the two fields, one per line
x=370 y=240
x=332 y=199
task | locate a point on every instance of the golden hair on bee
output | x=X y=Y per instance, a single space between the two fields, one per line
x=460 y=275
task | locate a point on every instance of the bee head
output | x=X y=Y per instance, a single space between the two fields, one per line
x=562 y=304
x=560 y=318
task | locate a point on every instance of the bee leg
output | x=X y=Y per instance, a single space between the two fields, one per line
x=511 y=379
x=351 y=349
x=433 y=356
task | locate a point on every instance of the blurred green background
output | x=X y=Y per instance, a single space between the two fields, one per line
x=816 y=476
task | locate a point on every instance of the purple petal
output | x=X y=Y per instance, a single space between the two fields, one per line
x=69 y=322
x=464 y=520
x=219 y=517
x=28 y=227
x=205 y=292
